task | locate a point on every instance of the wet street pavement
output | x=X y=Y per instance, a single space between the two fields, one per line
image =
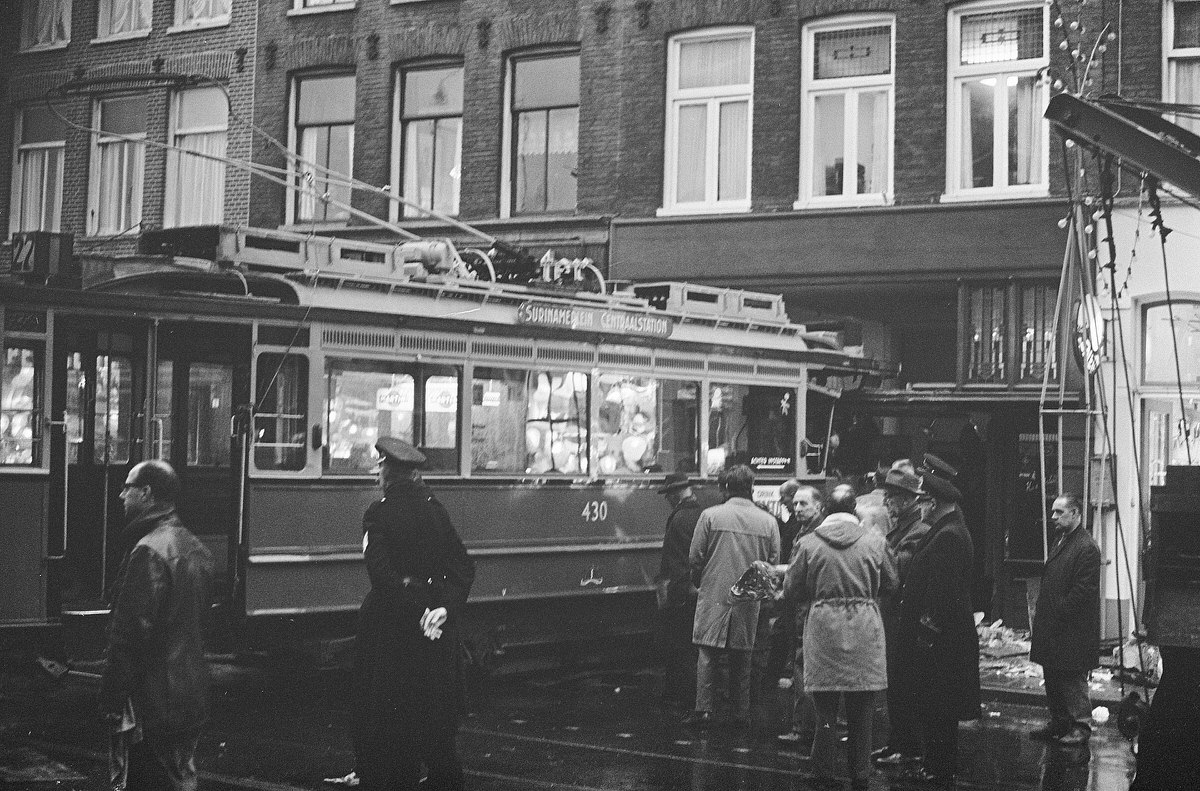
x=584 y=729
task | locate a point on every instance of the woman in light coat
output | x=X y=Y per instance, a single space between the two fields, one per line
x=839 y=572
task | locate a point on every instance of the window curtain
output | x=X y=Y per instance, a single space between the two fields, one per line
x=202 y=10
x=49 y=22
x=39 y=193
x=1024 y=119
x=562 y=155
x=877 y=173
x=733 y=175
x=119 y=202
x=704 y=64
x=692 y=136
x=199 y=181
x=329 y=147
x=1187 y=90
x=124 y=16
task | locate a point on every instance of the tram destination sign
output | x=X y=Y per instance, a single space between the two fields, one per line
x=585 y=319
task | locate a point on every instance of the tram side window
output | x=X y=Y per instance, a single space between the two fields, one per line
x=751 y=425
x=114 y=409
x=645 y=425
x=531 y=422
x=367 y=400
x=281 y=412
x=21 y=406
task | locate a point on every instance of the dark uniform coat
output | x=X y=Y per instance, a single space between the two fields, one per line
x=674 y=571
x=410 y=692
x=1066 y=623
x=937 y=643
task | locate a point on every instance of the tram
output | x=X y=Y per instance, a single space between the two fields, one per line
x=264 y=365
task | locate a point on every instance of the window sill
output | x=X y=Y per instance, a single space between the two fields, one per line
x=322 y=9
x=984 y=194
x=207 y=24
x=45 y=47
x=844 y=202
x=691 y=211
x=127 y=36
x=315 y=227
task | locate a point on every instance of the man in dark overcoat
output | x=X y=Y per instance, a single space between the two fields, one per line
x=676 y=593
x=938 y=648
x=901 y=494
x=409 y=669
x=1066 y=624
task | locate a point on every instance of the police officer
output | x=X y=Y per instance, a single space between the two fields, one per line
x=409 y=671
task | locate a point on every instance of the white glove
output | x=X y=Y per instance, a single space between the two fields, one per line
x=432 y=621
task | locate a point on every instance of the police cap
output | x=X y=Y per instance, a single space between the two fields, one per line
x=394 y=450
x=932 y=464
x=942 y=489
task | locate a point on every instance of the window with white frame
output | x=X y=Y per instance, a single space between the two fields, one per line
x=544 y=133
x=195 y=175
x=118 y=164
x=38 y=172
x=1182 y=48
x=202 y=12
x=46 y=23
x=324 y=138
x=996 y=140
x=846 y=118
x=118 y=17
x=430 y=135
x=710 y=87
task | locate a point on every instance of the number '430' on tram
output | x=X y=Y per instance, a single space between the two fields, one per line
x=265 y=365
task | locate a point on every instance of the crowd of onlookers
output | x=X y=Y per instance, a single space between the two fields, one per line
x=865 y=592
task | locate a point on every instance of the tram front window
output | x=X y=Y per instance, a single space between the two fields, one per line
x=114 y=409
x=281 y=412
x=751 y=425
x=531 y=422
x=368 y=400
x=20 y=406
x=645 y=424
x=210 y=409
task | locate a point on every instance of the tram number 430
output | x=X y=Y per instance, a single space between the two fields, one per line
x=595 y=511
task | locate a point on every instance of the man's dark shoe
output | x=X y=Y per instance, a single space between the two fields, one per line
x=888 y=756
x=1074 y=738
x=698 y=719
x=1046 y=733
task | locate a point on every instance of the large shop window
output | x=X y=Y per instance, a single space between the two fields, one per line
x=645 y=425
x=417 y=403
x=710 y=88
x=1182 y=56
x=846 y=127
x=324 y=131
x=529 y=422
x=545 y=133
x=430 y=126
x=996 y=140
x=281 y=412
x=751 y=425
x=21 y=406
x=46 y=23
x=38 y=178
x=196 y=181
x=1162 y=354
x=119 y=159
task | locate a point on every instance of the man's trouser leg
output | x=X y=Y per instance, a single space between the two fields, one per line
x=445 y=768
x=941 y=745
x=804 y=711
x=859 y=713
x=706 y=675
x=824 y=749
x=163 y=764
x=1067 y=699
x=679 y=676
x=739 y=682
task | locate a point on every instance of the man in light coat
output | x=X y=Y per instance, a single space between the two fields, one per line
x=728 y=539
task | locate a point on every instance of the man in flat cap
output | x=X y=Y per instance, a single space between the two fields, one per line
x=409 y=673
x=676 y=593
x=901 y=496
x=937 y=648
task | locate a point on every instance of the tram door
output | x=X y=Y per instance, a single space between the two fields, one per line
x=201 y=375
x=99 y=390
